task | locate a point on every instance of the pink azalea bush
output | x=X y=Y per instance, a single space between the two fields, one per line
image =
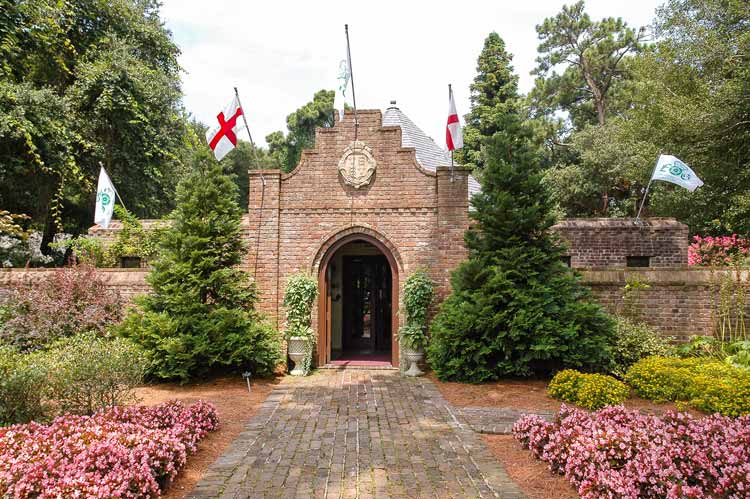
x=125 y=452
x=621 y=453
x=718 y=251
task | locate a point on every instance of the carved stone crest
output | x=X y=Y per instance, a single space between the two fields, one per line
x=357 y=165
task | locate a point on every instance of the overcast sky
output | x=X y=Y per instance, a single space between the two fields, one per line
x=279 y=53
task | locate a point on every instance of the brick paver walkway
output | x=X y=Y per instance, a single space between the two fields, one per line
x=496 y=421
x=355 y=433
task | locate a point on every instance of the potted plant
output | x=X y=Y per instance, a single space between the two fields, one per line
x=413 y=343
x=418 y=292
x=299 y=295
x=133 y=243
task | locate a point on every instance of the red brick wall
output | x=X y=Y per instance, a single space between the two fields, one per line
x=607 y=242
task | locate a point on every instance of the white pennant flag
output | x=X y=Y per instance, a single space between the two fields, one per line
x=670 y=169
x=343 y=77
x=105 y=200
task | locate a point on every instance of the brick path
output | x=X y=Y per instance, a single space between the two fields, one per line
x=354 y=433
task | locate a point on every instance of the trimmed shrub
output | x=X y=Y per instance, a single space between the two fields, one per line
x=708 y=385
x=635 y=341
x=127 y=452
x=200 y=316
x=86 y=373
x=515 y=309
x=591 y=391
x=21 y=386
x=72 y=300
x=616 y=452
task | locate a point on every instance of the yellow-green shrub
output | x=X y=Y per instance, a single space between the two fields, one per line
x=591 y=391
x=705 y=384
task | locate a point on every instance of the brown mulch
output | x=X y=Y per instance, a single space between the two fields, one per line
x=528 y=394
x=235 y=407
x=530 y=474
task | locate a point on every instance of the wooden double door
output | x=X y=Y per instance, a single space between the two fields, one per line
x=366 y=305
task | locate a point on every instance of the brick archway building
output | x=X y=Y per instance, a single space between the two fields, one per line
x=413 y=211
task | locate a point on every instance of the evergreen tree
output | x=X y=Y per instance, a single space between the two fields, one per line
x=515 y=308
x=200 y=315
x=494 y=94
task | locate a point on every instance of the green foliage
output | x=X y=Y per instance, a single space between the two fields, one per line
x=80 y=83
x=515 y=308
x=87 y=250
x=705 y=384
x=494 y=93
x=132 y=239
x=590 y=391
x=635 y=341
x=87 y=373
x=21 y=386
x=200 y=316
x=418 y=293
x=729 y=307
x=299 y=297
x=301 y=126
x=738 y=354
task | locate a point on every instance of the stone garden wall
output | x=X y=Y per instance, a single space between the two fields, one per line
x=679 y=302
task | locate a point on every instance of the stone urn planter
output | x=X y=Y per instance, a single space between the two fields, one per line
x=412 y=356
x=297 y=347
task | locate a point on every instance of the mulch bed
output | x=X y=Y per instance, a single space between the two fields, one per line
x=235 y=406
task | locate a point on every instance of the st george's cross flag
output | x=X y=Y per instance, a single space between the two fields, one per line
x=454 y=137
x=670 y=169
x=222 y=138
x=105 y=199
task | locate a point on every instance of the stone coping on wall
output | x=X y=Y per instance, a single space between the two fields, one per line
x=665 y=277
x=618 y=223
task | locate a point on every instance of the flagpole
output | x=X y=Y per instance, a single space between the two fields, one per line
x=645 y=194
x=262 y=180
x=252 y=143
x=351 y=76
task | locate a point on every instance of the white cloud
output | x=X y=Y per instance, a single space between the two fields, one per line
x=280 y=53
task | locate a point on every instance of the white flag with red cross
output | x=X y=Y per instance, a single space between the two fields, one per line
x=222 y=138
x=454 y=137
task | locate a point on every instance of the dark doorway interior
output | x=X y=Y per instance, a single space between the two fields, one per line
x=366 y=308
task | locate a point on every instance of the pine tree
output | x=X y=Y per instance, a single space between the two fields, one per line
x=494 y=94
x=515 y=308
x=200 y=315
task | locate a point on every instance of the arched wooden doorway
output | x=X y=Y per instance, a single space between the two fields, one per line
x=328 y=295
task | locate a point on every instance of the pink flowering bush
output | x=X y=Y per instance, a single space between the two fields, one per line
x=718 y=251
x=621 y=453
x=125 y=452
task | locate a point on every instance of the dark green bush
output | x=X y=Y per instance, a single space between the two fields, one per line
x=200 y=315
x=22 y=381
x=515 y=308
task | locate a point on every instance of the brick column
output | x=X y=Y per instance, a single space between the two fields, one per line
x=263 y=244
x=453 y=220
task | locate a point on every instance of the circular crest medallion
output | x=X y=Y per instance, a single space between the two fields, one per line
x=357 y=165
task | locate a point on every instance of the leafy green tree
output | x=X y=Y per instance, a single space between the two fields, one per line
x=515 y=308
x=301 y=125
x=592 y=55
x=200 y=316
x=82 y=82
x=494 y=93
x=593 y=60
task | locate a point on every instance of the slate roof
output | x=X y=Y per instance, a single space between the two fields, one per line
x=429 y=154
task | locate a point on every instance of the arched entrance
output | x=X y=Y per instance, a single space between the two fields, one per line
x=358 y=303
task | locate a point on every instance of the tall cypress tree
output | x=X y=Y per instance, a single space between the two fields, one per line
x=200 y=315
x=494 y=94
x=515 y=308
